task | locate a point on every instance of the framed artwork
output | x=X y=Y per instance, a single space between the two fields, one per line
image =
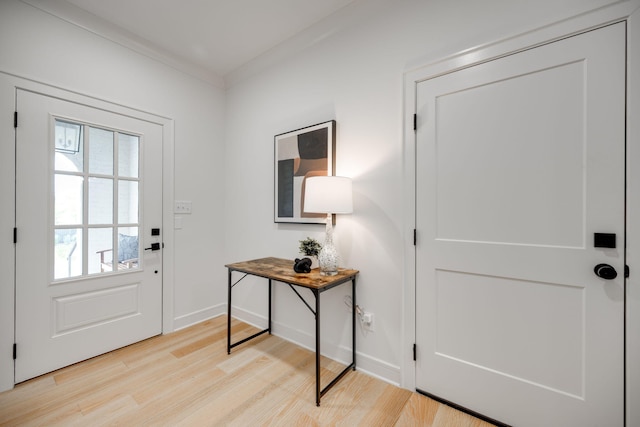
x=301 y=154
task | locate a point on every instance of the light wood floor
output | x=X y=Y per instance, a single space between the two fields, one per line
x=187 y=379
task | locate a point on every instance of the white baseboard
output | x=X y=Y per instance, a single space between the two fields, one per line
x=199 y=316
x=364 y=363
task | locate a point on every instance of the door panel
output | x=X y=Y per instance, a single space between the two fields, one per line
x=519 y=162
x=89 y=190
x=519 y=176
x=466 y=329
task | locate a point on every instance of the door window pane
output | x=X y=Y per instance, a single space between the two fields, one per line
x=100 y=248
x=100 y=201
x=128 y=248
x=127 y=202
x=128 y=148
x=100 y=151
x=67 y=253
x=69 y=155
x=68 y=199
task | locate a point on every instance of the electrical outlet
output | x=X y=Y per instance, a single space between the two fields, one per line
x=182 y=207
x=368 y=321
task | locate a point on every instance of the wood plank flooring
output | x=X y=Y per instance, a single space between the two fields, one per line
x=187 y=379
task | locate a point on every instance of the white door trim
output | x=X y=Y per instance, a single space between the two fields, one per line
x=9 y=83
x=632 y=340
x=626 y=11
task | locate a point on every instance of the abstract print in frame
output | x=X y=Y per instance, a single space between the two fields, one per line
x=301 y=154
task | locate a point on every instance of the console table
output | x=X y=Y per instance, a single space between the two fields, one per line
x=281 y=270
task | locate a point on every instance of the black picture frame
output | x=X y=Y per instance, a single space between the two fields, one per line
x=298 y=155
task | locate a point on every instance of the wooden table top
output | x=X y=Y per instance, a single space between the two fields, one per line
x=282 y=270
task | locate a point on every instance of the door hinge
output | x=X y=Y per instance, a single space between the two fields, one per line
x=15 y=234
x=15 y=119
x=415 y=350
x=15 y=351
x=415 y=237
x=626 y=271
x=415 y=122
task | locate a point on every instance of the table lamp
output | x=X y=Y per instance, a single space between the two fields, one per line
x=330 y=195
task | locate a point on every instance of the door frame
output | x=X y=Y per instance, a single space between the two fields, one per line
x=9 y=84
x=628 y=12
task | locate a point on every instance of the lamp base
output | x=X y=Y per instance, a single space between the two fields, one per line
x=328 y=260
x=328 y=273
x=328 y=256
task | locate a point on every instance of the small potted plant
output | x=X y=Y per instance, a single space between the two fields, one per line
x=311 y=248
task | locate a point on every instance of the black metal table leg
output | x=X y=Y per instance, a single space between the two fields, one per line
x=229 y=315
x=352 y=366
x=269 y=306
x=317 y=295
x=353 y=322
x=257 y=334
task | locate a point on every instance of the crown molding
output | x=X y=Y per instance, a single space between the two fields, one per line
x=354 y=14
x=102 y=28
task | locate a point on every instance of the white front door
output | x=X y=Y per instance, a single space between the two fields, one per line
x=89 y=194
x=520 y=163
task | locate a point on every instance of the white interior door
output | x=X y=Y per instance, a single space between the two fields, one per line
x=520 y=161
x=89 y=193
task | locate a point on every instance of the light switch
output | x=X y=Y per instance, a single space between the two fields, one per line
x=182 y=207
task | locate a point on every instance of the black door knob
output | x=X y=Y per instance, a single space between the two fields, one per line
x=605 y=271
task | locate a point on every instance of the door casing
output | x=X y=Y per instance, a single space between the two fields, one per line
x=9 y=83
x=626 y=12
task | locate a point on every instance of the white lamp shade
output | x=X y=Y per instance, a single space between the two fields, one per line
x=328 y=194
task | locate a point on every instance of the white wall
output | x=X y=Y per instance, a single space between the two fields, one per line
x=350 y=68
x=38 y=46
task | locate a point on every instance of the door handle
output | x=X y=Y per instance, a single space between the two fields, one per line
x=605 y=271
x=154 y=247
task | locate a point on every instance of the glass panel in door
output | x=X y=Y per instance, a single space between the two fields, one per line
x=93 y=199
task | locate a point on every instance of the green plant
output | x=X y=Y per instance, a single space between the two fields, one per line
x=310 y=247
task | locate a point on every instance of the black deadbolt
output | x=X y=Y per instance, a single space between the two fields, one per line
x=604 y=240
x=605 y=271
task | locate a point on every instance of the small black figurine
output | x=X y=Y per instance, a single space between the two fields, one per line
x=302 y=265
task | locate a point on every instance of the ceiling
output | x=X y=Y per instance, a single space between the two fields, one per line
x=216 y=35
